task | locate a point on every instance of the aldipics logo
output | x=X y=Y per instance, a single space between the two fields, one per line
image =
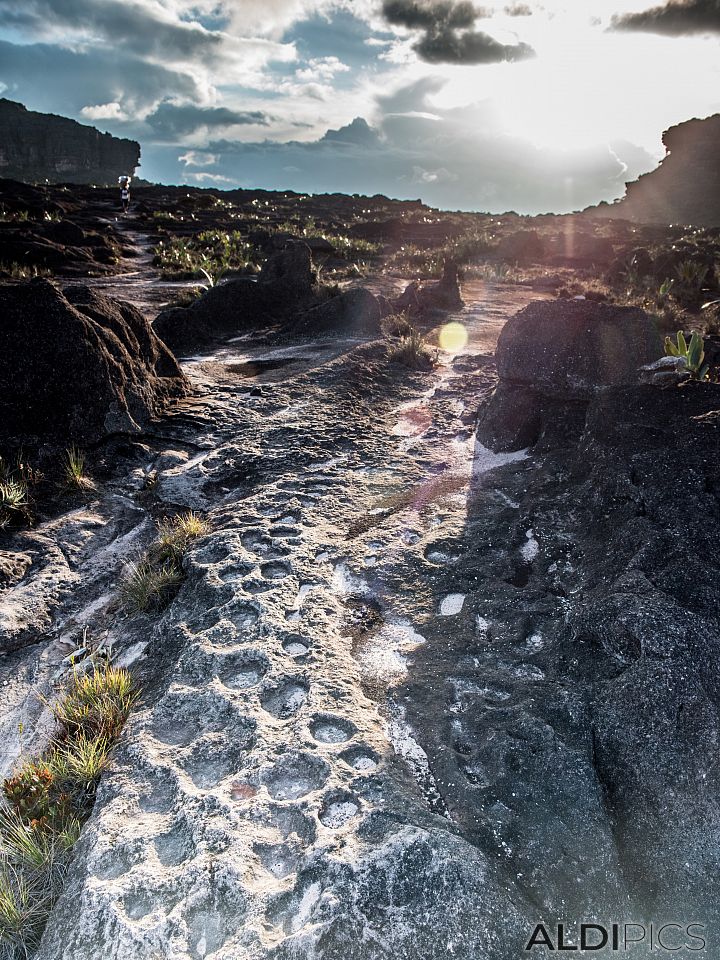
x=664 y=938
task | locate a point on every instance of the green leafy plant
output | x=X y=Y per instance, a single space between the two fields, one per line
x=692 y=353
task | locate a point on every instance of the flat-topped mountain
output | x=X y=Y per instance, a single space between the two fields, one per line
x=685 y=188
x=43 y=146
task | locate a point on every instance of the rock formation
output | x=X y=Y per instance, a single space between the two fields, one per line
x=284 y=287
x=685 y=188
x=43 y=146
x=552 y=357
x=77 y=366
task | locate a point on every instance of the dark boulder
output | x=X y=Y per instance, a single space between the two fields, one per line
x=441 y=296
x=285 y=285
x=356 y=312
x=524 y=246
x=552 y=357
x=78 y=367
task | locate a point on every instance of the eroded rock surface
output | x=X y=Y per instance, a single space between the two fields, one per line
x=78 y=367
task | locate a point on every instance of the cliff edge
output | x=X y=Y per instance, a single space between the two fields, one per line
x=43 y=146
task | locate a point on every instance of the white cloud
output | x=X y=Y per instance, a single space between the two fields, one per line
x=103 y=111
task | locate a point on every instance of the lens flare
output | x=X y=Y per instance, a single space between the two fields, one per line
x=453 y=337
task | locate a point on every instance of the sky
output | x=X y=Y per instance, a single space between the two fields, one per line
x=492 y=105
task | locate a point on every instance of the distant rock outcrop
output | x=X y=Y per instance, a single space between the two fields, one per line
x=78 y=366
x=685 y=188
x=43 y=146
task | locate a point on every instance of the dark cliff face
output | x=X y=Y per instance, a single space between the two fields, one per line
x=685 y=188
x=42 y=146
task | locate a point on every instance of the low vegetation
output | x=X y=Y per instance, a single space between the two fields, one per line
x=17 y=478
x=150 y=584
x=23 y=271
x=47 y=799
x=692 y=353
x=75 y=475
x=208 y=254
x=412 y=350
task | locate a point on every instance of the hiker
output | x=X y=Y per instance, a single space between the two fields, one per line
x=124 y=193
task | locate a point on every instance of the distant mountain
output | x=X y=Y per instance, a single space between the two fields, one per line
x=43 y=146
x=685 y=188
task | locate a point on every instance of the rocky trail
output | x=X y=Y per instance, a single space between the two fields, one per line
x=281 y=790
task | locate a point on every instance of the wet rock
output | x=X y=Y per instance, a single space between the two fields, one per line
x=552 y=357
x=356 y=311
x=78 y=368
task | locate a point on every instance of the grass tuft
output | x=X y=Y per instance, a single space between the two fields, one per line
x=74 y=472
x=175 y=535
x=411 y=350
x=48 y=799
x=147 y=587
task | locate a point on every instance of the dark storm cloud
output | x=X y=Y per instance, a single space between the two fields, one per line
x=469 y=47
x=436 y=15
x=176 y=120
x=448 y=32
x=674 y=19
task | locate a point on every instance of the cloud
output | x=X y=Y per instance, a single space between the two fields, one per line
x=674 y=19
x=455 y=159
x=198 y=158
x=171 y=120
x=448 y=32
x=103 y=111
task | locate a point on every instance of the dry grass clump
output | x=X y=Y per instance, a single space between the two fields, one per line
x=150 y=584
x=75 y=475
x=47 y=800
x=412 y=351
x=396 y=325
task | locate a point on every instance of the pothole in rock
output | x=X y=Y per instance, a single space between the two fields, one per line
x=241 y=671
x=452 y=604
x=137 y=904
x=295 y=775
x=261 y=544
x=286 y=698
x=279 y=859
x=254 y=368
x=180 y=717
x=441 y=552
x=212 y=761
x=327 y=728
x=276 y=570
x=284 y=531
x=243 y=615
x=174 y=847
x=338 y=808
x=361 y=758
x=234 y=571
x=296 y=646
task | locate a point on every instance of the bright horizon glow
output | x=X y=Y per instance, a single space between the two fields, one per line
x=226 y=94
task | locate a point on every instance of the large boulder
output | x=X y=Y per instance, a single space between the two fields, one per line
x=442 y=295
x=575 y=347
x=356 y=311
x=552 y=357
x=284 y=287
x=79 y=366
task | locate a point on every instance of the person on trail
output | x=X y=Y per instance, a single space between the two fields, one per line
x=124 y=193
